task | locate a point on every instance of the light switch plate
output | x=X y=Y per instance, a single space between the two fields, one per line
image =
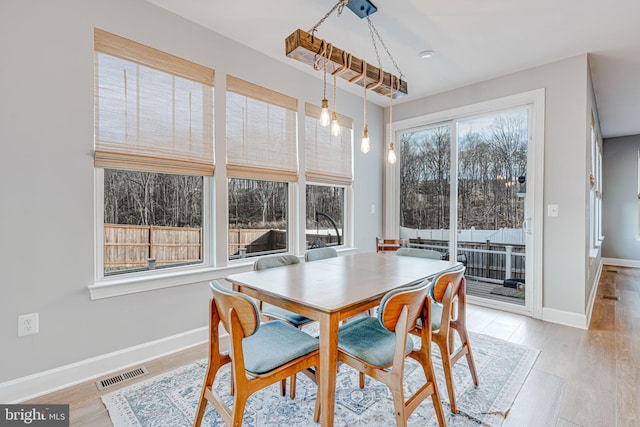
x=552 y=210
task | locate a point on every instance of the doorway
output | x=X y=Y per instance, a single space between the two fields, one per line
x=470 y=186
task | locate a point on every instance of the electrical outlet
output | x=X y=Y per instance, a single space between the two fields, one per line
x=28 y=324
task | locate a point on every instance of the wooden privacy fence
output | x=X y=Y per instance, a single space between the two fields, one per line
x=131 y=246
x=256 y=240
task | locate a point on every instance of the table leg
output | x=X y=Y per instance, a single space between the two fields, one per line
x=328 y=367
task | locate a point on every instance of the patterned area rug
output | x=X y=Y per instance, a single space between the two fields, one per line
x=170 y=399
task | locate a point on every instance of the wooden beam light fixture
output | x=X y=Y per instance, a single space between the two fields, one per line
x=307 y=48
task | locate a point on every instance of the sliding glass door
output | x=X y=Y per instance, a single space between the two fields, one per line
x=492 y=174
x=425 y=186
x=463 y=191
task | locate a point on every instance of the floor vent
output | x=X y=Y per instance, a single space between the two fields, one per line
x=612 y=271
x=120 y=378
x=613 y=297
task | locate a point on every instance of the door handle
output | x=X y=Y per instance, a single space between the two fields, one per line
x=525 y=225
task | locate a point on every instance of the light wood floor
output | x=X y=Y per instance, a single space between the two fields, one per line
x=581 y=378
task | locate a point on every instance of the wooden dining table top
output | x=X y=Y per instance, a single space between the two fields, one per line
x=333 y=284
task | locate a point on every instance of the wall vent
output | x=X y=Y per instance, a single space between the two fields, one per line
x=120 y=378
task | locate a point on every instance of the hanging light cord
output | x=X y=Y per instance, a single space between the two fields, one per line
x=340 y=6
x=372 y=31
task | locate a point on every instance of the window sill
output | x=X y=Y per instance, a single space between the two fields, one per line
x=113 y=287
x=117 y=286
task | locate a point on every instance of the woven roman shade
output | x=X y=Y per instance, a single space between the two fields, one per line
x=328 y=158
x=153 y=110
x=261 y=133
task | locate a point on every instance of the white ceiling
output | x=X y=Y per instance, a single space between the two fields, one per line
x=475 y=40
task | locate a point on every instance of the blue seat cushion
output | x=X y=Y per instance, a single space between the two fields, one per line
x=274 y=344
x=436 y=316
x=286 y=315
x=368 y=340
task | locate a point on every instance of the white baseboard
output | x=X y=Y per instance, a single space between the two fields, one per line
x=42 y=383
x=567 y=318
x=621 y=262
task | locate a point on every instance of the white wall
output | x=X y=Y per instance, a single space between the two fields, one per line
x=620 y=204
x=565 y=154
x=46 y=169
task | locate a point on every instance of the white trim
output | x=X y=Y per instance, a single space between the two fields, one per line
x=562 y=317
x=165 y=279
x=535 y=268
x=594 y=292
x=621 y=262
x=42 y=383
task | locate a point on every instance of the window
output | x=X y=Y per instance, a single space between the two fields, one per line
x=425 y=164
x=261 y=162
x=329 y=174
x=151 y=220
x=595 y=190
x=257 y=217
x=153 y=157
x=325 y=216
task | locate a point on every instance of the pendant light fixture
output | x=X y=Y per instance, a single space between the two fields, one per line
x=307 y=48
x=335 y=125
x=391 y=154
x=365 y=144
x=325 y=116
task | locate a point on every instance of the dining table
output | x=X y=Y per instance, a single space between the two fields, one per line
x=331 y=290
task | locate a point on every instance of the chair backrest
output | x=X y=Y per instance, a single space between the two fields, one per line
x=320 y=253
x=387 y=244
x=244 y=307
x=275 y=261
x=453 y=277
x=419 y=253
x=392 y=303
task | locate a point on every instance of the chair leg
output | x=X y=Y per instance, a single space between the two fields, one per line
x=437 y=406
x=446 y=367
x=316 y=411
x=398 y=405
x=361 y=384
x=239 y=402
x=292 y=386
x=202 y=405
x=283 y=387
x=467 y=348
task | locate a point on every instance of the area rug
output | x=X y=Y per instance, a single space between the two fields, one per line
x=507 y=292
x=170 y=399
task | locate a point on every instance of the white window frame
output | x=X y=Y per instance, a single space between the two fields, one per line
x=346 y=226
x=138 y=281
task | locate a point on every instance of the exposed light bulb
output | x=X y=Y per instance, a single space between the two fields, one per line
x=325 y=116
x=391 y=155
x=335 y=126
x=365 y=145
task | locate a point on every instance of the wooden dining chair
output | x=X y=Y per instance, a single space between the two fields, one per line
x=448 y=314
x=260 y=354
x=278 y=313
x=385 y=245
x=320 y=253
x=379 y=346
